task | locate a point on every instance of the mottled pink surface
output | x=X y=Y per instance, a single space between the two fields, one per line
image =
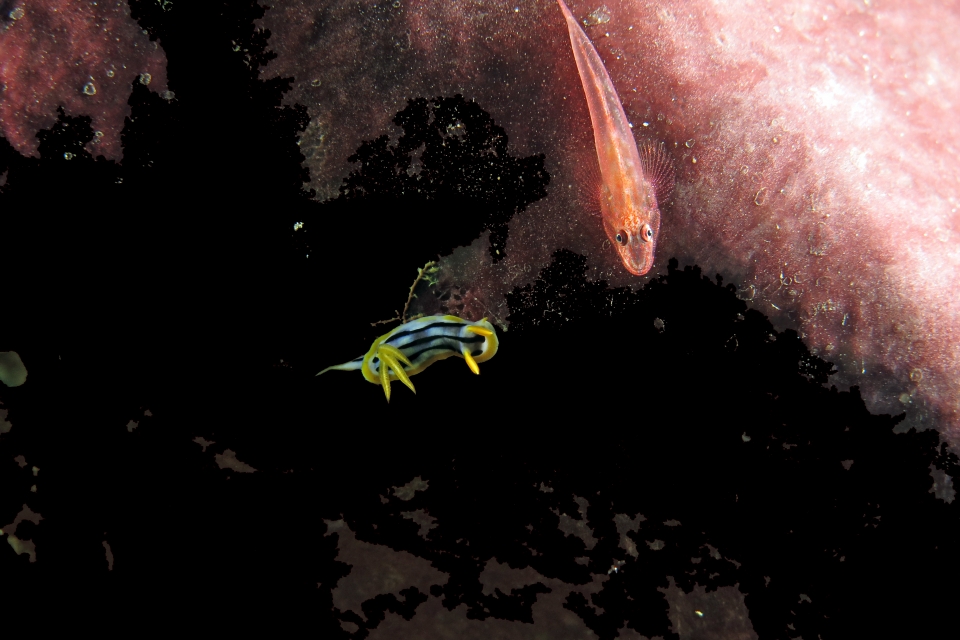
x=82 y=56
x=816 y=146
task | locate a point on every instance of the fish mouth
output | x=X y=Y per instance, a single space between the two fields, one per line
x=637 y=265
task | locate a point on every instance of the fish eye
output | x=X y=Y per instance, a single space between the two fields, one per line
x=646 y=232
x=621 y=237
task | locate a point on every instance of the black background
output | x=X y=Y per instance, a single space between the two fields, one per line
x=174 y=282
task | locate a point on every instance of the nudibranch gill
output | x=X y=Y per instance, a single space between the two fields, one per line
x=633 y=183
x=413 y=346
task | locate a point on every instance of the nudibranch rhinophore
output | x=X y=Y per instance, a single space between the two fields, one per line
x=415 y=345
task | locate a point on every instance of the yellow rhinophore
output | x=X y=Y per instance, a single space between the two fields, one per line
x=413 y=346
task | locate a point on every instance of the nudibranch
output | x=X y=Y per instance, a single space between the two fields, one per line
x=413 y=346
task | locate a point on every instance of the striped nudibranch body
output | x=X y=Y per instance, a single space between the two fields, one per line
x=413 y=346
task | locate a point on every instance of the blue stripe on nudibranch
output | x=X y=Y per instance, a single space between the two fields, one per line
x=413 y=346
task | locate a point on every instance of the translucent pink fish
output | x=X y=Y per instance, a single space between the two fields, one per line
x=633 y=181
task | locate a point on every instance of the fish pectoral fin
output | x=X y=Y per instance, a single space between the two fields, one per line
x=658 y=169
x=389 y=357
x=470 y=361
